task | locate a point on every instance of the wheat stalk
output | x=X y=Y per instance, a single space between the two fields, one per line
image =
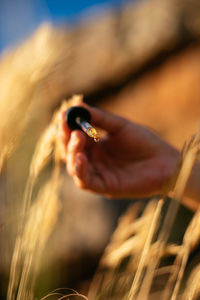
x=140 y=269
x=38 y=219
x=192 y=290
x=188 y=158
x=190 y=153
x=40 y=223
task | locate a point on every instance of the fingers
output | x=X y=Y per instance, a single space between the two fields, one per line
x=75 y=146
x=105 y=120
x=85 y=174
x=78 y=165
x=80 y=172
x=63 y=136
x=64 y=130
x=77 y=161
x=81 y=164
x=102 y=119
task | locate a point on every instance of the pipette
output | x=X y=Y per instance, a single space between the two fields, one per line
x=78 y=117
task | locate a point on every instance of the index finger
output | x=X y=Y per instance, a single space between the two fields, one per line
x=105 y=120
x=65 y=131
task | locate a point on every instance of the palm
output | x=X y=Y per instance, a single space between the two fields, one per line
x=122 y=163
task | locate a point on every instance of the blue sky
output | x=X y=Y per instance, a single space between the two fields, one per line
x=19 y=18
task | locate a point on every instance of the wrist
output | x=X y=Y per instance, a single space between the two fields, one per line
x=188 y=188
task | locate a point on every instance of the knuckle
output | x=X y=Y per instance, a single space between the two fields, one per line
x=72 y=146
x=80 y=183
x=70 y=169
x=110 y=196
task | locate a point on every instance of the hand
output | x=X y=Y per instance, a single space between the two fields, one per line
x=130 y=161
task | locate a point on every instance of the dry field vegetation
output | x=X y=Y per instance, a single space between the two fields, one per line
x=141 y=261
x=131 y=266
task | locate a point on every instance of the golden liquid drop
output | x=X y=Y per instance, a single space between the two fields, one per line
x=91 y=132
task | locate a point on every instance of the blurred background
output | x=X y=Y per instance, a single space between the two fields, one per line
x=139 y=59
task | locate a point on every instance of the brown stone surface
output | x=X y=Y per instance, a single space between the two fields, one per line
x=166 y=99
x=99 y=53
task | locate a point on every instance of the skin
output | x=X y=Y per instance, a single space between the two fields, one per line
x=129 y=161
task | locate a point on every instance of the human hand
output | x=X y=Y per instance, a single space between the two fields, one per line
x=130 y=161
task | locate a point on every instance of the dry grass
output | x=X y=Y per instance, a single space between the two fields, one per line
x=65 y=293
x=134 y=240
x=39 y=216
x=130 y=267
x=192 y=289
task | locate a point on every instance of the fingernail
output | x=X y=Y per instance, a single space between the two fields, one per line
x=73 y=139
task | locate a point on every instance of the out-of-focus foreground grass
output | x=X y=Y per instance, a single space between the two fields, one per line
x=46 y=233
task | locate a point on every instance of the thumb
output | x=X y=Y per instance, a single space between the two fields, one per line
x=105 y=120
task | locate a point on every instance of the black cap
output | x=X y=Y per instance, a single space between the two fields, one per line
x=76 y=111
